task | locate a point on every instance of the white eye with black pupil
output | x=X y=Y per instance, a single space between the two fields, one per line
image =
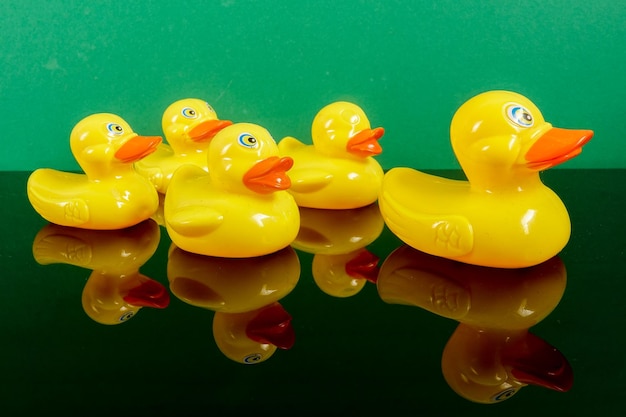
x=519 y=115
x=115 y=129
x=189 y=113
x=247 y=140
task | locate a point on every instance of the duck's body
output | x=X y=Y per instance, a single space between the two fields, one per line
x=188 y=125
x=445 y=217
x=110 y=194
x=503 y=215
x=239 y=208
x=337 y=171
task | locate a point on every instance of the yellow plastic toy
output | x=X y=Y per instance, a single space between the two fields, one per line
x=503 y=215
x=338 y=170
x=341 y=263
x=188 y=126
x=491 y=354
x=110 y=194
x=240 y=208
x=115 y=290
x=232 y=285
x=254 y=336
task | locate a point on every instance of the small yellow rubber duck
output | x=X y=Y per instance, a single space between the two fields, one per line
x=188 y=126
x=503 y=215
x=110 y=194
x=338 y=170
x=115 y=290
x=240 y=208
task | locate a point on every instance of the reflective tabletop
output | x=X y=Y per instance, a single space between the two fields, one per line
x=346 y=320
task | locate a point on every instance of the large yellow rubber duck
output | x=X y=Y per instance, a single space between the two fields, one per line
x=338 y=170
x=240 y=208
x=491 y=355
x=110 y=194
x=188 y=126
x=115 y=290
x=503 y=215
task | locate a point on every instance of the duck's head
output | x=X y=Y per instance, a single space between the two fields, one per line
x=100 y=142
x=190 y=124
x=253 y=337
x=244 y=157
x=487 y=366
x=114 y=299
x=342 y=128
x=499 y=135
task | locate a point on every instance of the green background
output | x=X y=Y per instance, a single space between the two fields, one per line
x=409 y=64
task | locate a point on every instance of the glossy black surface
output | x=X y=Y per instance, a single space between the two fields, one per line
x=356 y=355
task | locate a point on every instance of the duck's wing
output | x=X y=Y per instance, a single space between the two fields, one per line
x=154 y=167
x=416 y=208
x=55 y=195
x=308 y=179
x=448 y=236
x=55 y=244
x=185 y=209
x=305 y=177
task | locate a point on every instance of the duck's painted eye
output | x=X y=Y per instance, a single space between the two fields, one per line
x=115 y=129
x=253 y=358
x=505 y=395
x=247 y=140
x=127 y=315
x=189 y=113
x=519 y=115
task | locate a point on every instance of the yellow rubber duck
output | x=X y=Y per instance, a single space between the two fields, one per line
x=491 y=354
x=338 y=170
x=188 y=126
x=240 y=208
x=254 y=336
x=110 y=194
x=503 y=215
x=115 y=290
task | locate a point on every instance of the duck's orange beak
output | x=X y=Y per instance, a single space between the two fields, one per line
x=556 y=146
x=538 y=363
x=272 y=325
x=363 y=266
x=269 y=175
x=149 y=293
x=137 y=148
x=207 y=129
x=365 y=143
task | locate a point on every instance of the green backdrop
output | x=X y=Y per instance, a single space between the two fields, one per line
x=408 y=63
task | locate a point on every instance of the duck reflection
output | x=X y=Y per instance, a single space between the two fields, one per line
x=491 y=355
x=249 y=324
x=341 y=263
x=115 y=290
